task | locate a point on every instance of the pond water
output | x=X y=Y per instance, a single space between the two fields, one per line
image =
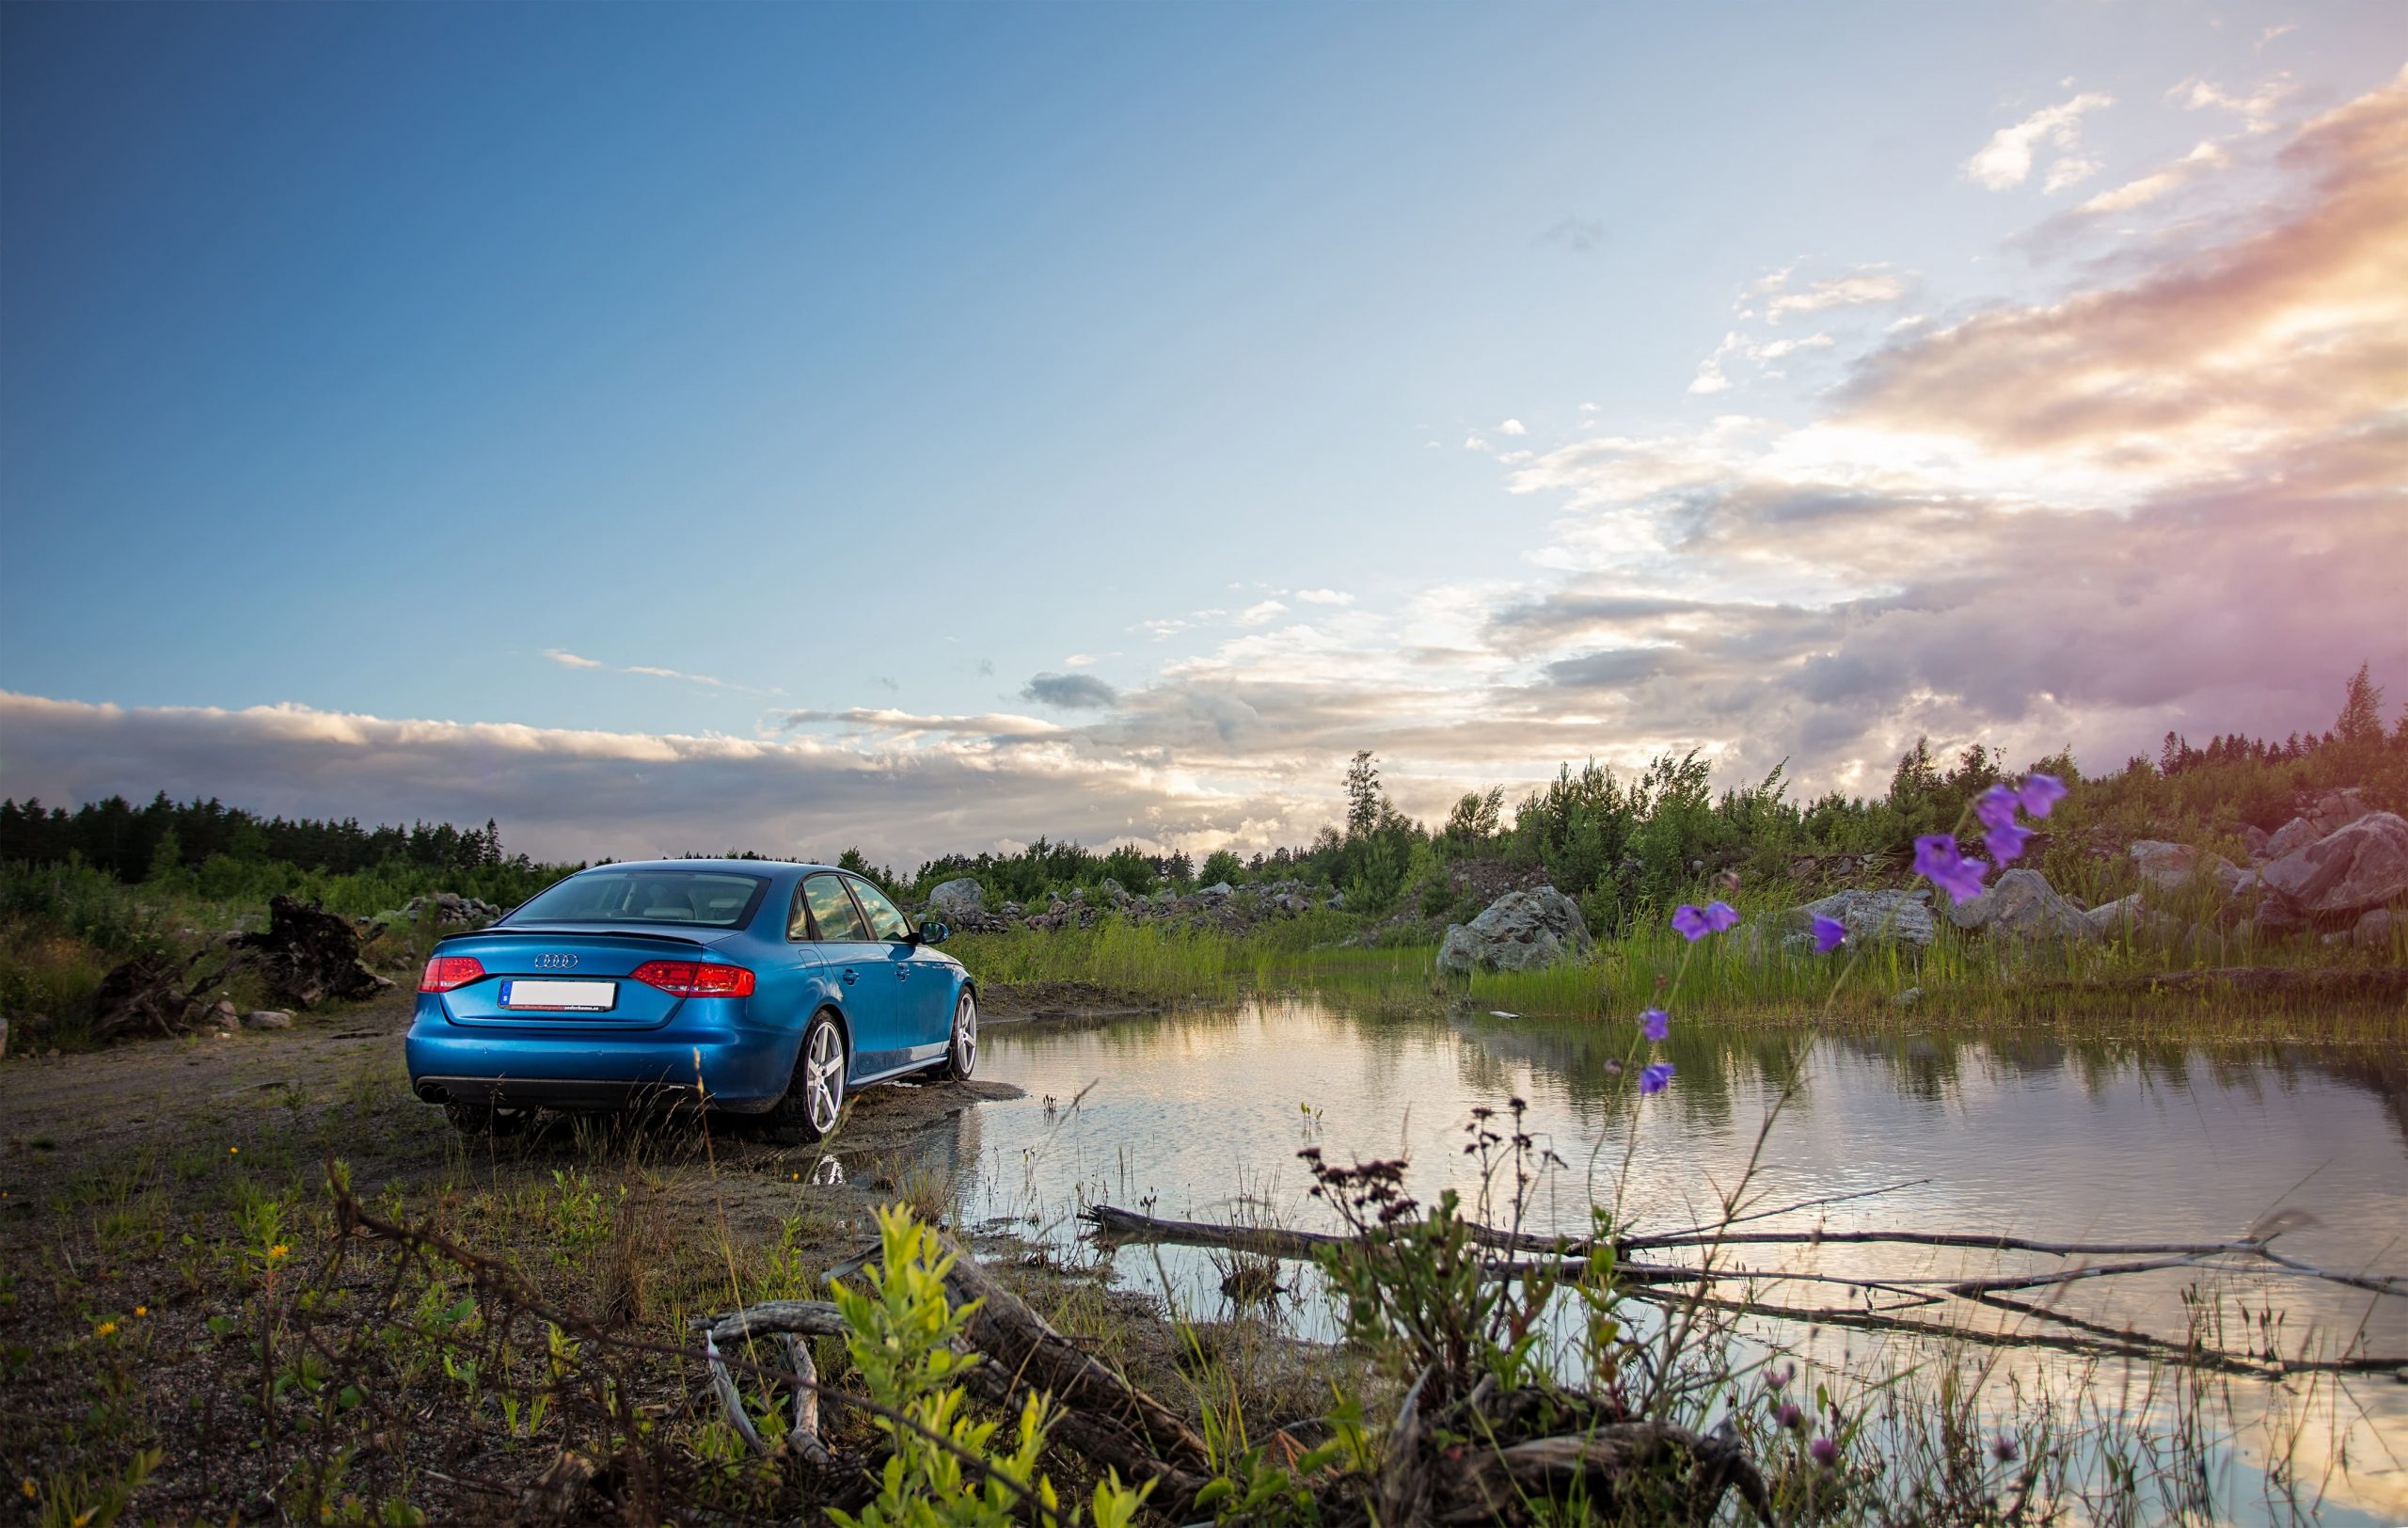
x=1200 y=1115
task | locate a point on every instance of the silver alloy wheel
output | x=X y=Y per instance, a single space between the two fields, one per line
x=823 y=1078
x=966 y=1036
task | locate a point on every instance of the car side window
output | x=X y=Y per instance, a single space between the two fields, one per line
x=886 y=920
x=832 y=909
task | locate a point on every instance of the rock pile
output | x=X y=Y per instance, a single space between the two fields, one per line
x=446 y=907
x=1522 y=931
x=1871 y=918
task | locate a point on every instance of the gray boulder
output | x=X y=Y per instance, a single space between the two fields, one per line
x=2335 y=810
x=2362 y=864
x=1871 y=918
x=2172 y=866
x=1217 y=890
x=2022 y=905
x=2127 y=917
x=2291 y=837
x=267 y=1018
x=2254 y=839
x=2375 y=928
x=955 y=898
x=1522 y=931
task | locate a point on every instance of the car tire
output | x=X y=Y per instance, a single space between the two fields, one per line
x=814 y=1097
x=481 y=1119
x=961 y=1047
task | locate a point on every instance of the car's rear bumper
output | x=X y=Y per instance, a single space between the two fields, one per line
x=739 y=1067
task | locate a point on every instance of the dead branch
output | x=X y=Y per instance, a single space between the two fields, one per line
x=1007 y=1330
x=1609 y=1464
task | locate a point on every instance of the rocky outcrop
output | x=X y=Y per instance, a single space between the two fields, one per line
x=2290 y=839
x=1522 y=931
x=2173 y=866
x=2376 y=929
x=2334 y=810
x=445 y=907
x=955 y=899
x=1871 y=918
x=2022 y=905
x=2123 y=916
x=2363 y=865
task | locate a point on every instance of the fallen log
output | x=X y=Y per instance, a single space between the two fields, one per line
x=1098 y=1414
x=1616 y=1469
x=1672 y=1285
x=1017 y=1338
x=146 y=996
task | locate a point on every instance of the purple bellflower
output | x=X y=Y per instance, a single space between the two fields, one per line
x=2041 y=792
x=1657 y=1078
x=1936 y=857
x=1693 y=925
x=1826 y=1451
x=1829 y=934
x=2006 y=841
x=1996 y=807
x=1655 y=1024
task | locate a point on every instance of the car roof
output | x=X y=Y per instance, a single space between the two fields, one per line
x=750 y=866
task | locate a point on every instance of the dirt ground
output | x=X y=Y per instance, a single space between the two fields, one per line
x=152 y=1196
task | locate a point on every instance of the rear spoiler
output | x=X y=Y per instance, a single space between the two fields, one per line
x=584 y=931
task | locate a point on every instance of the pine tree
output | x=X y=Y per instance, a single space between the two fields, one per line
x=2361 y=720
x=1363 y=798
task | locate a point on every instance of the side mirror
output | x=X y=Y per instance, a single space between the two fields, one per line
x=934 y=933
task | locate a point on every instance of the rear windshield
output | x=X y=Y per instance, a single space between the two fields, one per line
x=714 y=898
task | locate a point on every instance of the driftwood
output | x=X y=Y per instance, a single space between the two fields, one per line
x=309 y=955
x=1112 y=1423
x=2250 y=1255
x=1611 y=1466
x=1100 y=1415
x=146 y=996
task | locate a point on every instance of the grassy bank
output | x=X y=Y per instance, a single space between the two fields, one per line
x=1958 y=978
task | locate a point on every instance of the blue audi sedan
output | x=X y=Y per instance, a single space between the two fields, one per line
x=760 y=988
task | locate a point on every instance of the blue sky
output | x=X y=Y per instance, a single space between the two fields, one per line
x=801 y=384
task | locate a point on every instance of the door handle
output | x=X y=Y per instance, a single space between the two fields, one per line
x=849 y=977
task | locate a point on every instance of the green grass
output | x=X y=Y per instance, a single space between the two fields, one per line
x=1960 y=977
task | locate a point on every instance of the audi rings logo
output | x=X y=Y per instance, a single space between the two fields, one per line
x=554 y=962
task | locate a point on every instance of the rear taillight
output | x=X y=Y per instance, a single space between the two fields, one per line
x=689 y=979
x=445 y=972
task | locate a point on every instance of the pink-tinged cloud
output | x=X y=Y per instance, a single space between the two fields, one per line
x=2292 y=331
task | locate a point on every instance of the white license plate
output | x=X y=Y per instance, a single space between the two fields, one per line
x=561 y=997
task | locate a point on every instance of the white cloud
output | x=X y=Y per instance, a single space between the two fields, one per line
x=2006 y=160
x=2257 y=110
x=1864 y=286
x=2159 y=183
x=1512 y=426
x=1324 y=597
x=1078 y=660
x=1475 y=441
x=2070 y=170
x=1261 y=612
x=650 y=671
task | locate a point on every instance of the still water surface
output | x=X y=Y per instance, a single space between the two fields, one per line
x=1200 y=1116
